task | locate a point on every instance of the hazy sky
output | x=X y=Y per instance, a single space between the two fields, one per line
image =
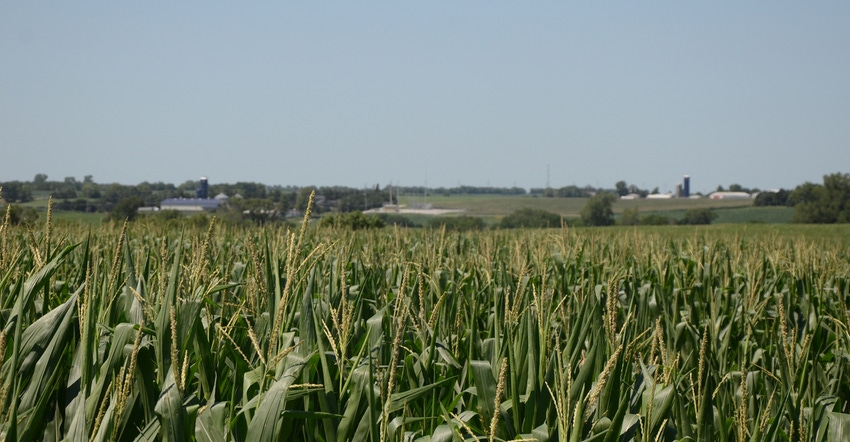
x=444 y=92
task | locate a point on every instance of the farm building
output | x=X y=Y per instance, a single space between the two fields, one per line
x=730 y=196
x=190 y=204
x=659 y=196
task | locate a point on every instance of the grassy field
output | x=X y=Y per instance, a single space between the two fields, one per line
x=87 y=219
x=498 y=205
x=767 y=215
x=493 y=207
x=724 y=332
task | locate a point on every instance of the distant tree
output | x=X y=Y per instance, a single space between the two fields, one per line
x=15 y=192
x=287 y=200
x=778 y=198
x=654 y=220
x=393 y=219
x=827 y=203
x=257 y=210
x=21 y=215
x=113 y=193
x=74 y=205
x=187 y=189
x=638 y=191
x=530 y=218
x=698 y=216
x=65 y=193
x=622 y=188
x=571 y=192
x=127 y=208
x=598 y=210
x=90 y=190
x=630 y=217
x=457 y=223
x=351 y=220
x=251 y=190
x=303 y=198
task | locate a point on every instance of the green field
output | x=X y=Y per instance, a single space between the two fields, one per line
x=168 y=332
x=493 y=207
x=499 y=205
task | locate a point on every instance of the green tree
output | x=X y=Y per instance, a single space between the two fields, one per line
x=778 y=198
x=654 y=220
x=303 y=198
x=698 y=216
x=820 y=204
x=598 y=211
x=394 y=219
x=40 y=181
x=15 y=191
x=622 y=188
x=531 y=218
x=457 y=223
x=127 y=208
x=258 y=210
x=630 y=217
x=22 y=215
x=352 y=220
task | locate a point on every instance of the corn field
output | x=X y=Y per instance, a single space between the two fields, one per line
x=149 y=332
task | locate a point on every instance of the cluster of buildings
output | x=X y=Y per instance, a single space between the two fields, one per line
x=200 y=203
x=683 y=190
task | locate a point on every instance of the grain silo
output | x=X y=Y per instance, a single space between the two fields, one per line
x=686 y=187
x=203 y=189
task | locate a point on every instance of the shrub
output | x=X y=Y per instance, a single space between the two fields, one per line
x=778 y=198
x=530 y=218
x=458 y=223
x=698 y=216
x=21 y=215
x=630 y=217
x=351 y=220
x=127 y=208
x=654 y=220
x=392 y=219
x=598 y=211
x=821 y=204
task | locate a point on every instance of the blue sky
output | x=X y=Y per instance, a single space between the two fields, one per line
x=472 y=93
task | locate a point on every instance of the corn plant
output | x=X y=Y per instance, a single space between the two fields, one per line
x=147 y=332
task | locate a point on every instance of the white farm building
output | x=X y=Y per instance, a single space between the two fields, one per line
x=730 y=196
x=190 y=204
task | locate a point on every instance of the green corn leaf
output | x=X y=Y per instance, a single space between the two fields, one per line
x=169 y=411
x=265 y=426
x=210 y=423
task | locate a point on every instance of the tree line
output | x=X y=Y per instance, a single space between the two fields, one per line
x=258 y=203
x=814 y=203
